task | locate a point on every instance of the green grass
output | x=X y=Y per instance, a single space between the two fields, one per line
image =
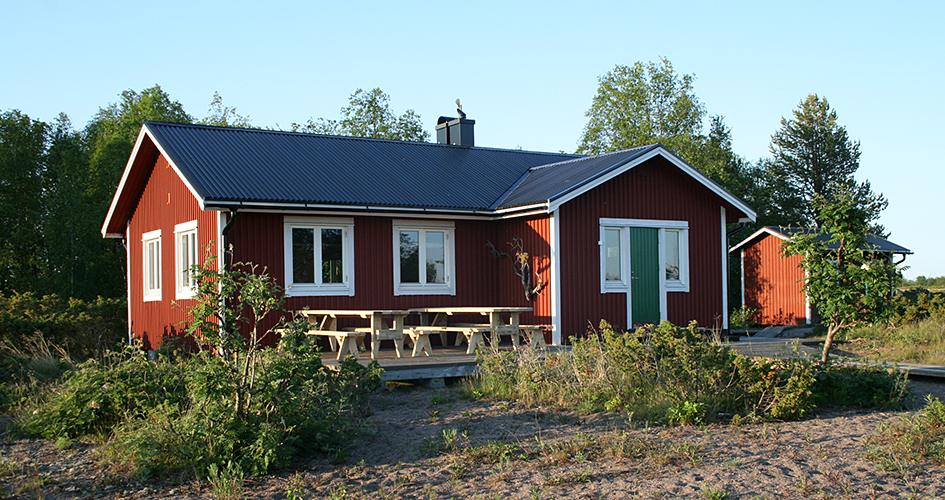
x=921 y=342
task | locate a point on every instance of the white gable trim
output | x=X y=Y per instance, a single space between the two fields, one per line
x=145 y=132
x=755 y=235
x=658 y=150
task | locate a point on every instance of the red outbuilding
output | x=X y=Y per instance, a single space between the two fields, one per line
x=635 y=236
x=773 y=284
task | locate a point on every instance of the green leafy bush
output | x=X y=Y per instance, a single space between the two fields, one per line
x=917 y=304
x=84 y=329
x=743 y=317
x=237 y=407
x=672 y=374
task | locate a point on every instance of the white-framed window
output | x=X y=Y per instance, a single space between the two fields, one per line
x=615 y=258
x=615 y=253
x=675 y=258
x=424 y=258
x=151 y=248
x=185 y=244
x=319 y=256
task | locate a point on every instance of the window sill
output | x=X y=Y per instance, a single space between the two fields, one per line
x=424 y=291
x=308 y=291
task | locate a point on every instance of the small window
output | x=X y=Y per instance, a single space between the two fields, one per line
x=423 y=258
x=151 y=245
x=613 y=263
x=186 y=242
x=319 y=256
x=676 y=259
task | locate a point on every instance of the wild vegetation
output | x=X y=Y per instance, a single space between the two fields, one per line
x=673 y=375
x=913 y=333
x=229 y=410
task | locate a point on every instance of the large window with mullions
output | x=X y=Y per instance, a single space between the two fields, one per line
x=319 y=256
x=423 y=258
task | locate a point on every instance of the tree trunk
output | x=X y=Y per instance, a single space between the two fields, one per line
x=831 y=332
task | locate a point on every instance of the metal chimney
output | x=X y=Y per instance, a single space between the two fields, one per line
x=456 y=131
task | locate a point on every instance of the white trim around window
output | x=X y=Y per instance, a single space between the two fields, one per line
x=614 y=258
x=185 y=257
x=319 y=256
x=151 y=265
x=424 y=257
x=674 y=258
x=615 y=255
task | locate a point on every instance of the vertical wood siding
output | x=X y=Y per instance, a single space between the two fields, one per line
x=653 y=190
x=258 y=238
x=165 y=202
x=773 y=284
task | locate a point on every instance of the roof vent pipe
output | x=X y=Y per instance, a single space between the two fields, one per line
x=455 y=131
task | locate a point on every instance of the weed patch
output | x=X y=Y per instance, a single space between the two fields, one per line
x=915 y=439
x=673 y=375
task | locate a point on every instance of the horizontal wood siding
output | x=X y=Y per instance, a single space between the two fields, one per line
x=773 y=283
x=164 y=203
x=654 y=190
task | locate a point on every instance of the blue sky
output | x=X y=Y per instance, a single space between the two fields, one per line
x=525 y=71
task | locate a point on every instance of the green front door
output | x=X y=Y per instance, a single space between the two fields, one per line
x=644 y=275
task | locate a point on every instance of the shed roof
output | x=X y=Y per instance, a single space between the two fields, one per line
x=873 y=242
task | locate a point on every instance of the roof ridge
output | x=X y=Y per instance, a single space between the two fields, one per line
x=584 y=157
x=351 y=137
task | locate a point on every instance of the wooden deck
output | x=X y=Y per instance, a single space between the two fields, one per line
x=445 y=362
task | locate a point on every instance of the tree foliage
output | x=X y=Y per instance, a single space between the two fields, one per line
x=223 y=116
x=644 y=104
x=845 y=278
x=368 y=114
x=812 y=155
x=22 y=167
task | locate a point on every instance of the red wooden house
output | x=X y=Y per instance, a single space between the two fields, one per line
x=350 y=223
x=772 y=283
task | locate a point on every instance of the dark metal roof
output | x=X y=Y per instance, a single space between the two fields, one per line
x=271 y=167
x=873 y=242
x=548 y=182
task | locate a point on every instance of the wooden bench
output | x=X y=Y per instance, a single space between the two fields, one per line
x=343 y=342
x=384 y=334
x=535 y=335
x=498 y=331
x=471 y=334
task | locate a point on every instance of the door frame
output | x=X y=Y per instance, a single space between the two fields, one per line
x=625 y=285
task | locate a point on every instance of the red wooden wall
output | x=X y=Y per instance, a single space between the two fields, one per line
x=654 y=190
x=773 y=283
x=165 y=202
x=481 y=279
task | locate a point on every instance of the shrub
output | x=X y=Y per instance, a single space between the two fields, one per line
x=672 y=374
x=237 y=408
x=743 y=317
x=84 y=329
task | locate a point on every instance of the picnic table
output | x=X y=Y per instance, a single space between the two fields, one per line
x=384 y=325
x=435 y=320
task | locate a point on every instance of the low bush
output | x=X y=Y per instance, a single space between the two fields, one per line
x=237 y=408
x=916 y=438
x=176 y=413
x=84 y=329
x=916 y=304
x=672 y=374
